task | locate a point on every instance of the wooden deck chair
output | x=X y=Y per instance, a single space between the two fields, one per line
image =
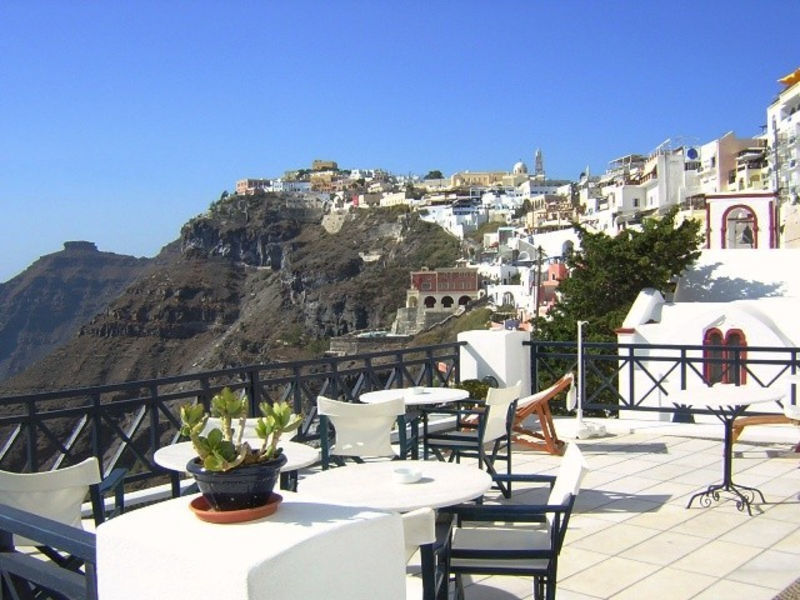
x=539 y=404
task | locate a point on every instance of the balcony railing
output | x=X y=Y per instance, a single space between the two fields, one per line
x=124 y=424
x=629 y=376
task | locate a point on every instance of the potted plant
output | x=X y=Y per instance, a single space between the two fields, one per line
x=230 y=473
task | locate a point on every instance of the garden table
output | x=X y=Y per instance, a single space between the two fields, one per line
x=374 y=485
x=175 y=456
x=726 y=402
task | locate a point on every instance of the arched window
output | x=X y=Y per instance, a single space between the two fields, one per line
x=724 y=356
x=713 y=356
x=736 y=355
x=740 y=228
x=430 y=302
x=447 y=302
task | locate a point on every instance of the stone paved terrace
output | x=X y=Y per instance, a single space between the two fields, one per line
x=632 y=537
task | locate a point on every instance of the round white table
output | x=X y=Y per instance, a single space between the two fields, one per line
x=175 y=456
x=373 y=485
x=726 y=402
x=414 y=397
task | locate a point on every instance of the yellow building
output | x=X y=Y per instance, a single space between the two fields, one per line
x=324 y=165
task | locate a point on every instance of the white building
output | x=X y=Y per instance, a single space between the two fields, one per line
x=783 y=133
x=727 y=298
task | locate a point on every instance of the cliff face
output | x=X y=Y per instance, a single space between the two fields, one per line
x=256 y=279
x=44 y=306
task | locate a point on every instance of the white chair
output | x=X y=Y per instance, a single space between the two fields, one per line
x=361 y=430
x=470 y=439
x=493 y=539
x=427 y=577
x=59 y=494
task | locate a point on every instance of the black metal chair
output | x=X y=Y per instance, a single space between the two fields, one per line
x=497 y=539
x=23 y=576
x=477 y=428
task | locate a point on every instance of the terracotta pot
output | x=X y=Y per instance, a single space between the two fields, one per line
x=239 y=488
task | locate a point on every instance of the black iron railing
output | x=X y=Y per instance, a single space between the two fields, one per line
x=628 y=376
x=124 y=424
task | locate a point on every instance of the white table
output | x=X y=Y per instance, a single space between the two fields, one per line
x=372 y=485
x=175 y=456
x=414 y=397
x=424 y=395
x=304 y=550
x=726 y=402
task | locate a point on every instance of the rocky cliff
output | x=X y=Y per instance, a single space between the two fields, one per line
x=254 y=279
x=44 y=306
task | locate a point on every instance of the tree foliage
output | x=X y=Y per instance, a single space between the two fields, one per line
x=607 y=274
x=435 y=174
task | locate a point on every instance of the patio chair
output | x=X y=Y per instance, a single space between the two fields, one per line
x=59 y=494
x=361 y=430
x=428 y=539
x=467 y=440
x=26 y=576
x=498 y=539
x=538 y=405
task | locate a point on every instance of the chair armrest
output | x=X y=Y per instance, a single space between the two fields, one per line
x=526 y=477
x=527 y=513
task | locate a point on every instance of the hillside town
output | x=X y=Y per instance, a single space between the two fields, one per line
x=744 y=190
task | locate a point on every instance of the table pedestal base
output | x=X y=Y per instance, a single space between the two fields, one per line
x=743 y=495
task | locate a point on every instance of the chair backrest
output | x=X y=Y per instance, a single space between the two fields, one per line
x=419 y=527
x=526 y=404
x=568 y=480
x=498 y=402
x=57 y=495
x=361 y=429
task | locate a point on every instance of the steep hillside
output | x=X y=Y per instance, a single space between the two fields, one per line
x=44 y=306
x=257 y=279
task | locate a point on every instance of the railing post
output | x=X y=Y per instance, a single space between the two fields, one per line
x=154 y=440
x=631 y=377
x=30 y=439
x=97 y=449
x=430 y=365
x=297 y=396
x=737 y=366
x=534 y=365
x=253 y=391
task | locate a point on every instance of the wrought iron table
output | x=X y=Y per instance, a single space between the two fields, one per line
x=726 y=402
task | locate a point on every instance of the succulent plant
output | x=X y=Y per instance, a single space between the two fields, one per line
x=222 y=448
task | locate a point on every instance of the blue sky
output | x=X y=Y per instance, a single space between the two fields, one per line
x=119 y=121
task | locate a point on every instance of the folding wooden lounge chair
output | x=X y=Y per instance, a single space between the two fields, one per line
x=539 y=404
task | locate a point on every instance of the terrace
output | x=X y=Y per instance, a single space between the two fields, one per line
x=631 y=534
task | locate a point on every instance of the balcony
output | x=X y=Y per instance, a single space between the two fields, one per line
x=631 y=535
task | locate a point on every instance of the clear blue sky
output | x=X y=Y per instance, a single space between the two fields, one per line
x=119 y=121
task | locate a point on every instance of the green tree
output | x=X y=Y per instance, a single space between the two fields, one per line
x=607 y=274
x=435 y=174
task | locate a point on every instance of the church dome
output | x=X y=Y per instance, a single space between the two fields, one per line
x=519 y=168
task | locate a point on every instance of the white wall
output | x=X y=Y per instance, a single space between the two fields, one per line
x=499 y=354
